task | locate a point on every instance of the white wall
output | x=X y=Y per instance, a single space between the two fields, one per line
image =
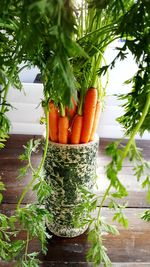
x=27 y=111
x=26 y=114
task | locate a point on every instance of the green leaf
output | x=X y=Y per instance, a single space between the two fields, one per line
x=109 y=228
x=146 y=216
x=30 y=261
x=117 y=195
x=97 y=252
x=146 y=182
x=33 y=219
x=43 y=190
x=139 y=170
x=1 y=197
x=2 y=188
x=148 y=195
x=121 y=218
x=23 y=171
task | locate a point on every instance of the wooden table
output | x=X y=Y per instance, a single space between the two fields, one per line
x=131 y=248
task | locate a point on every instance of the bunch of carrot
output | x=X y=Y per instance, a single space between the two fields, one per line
x=78 y=124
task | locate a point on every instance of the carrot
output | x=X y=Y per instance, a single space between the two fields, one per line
x=76 y=129
x=96 y=120
x=70 y=128
x=88 y=114
x=53 y=122
x=63 y=126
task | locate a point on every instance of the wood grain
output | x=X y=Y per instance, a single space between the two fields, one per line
x=81 y=264
x=10 y=163
x=131 y=245
x=130 y=249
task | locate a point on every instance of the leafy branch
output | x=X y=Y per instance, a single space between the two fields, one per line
x=36 y=173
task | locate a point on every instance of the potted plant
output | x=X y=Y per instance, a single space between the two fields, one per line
x=67 y=44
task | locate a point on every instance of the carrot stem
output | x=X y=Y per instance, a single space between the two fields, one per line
x=62 y=110
x=80 y=107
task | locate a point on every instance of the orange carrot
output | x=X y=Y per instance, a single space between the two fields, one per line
x=88 y=114
x=70 y=128
x=76 y=129
x=96 y=120
x=53 y=122
x=63 y=126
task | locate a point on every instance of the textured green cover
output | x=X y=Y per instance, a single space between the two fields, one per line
x=67 y=167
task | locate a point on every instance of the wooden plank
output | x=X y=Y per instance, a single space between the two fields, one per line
x=140 y=143
x=17 y=139
x=9 y=173
x=81 y=264
x=77 y=264
x=133 y=200
x=13 y=195
x=103 y=159
x=13 y=163
x=9 y=165
x=131 y=246
x=15 y=187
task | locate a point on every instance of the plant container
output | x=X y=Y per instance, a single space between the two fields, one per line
x=68 y=168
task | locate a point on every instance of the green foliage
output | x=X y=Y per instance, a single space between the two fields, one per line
x=23 y=171
x=141 y=168
x=96 y=24
x=97 y=252
x=31 y=147
x=146 y=216
x=83 y=213
x=30 y=261
x=4 y=129
x=9 y=249
x=2 y=188
x=119 y=216
x=8 y=69
x=42 y=188
x=114 y=167
x=33 y=219
x=51 y=24
x=146 y=183
x=135 y=29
